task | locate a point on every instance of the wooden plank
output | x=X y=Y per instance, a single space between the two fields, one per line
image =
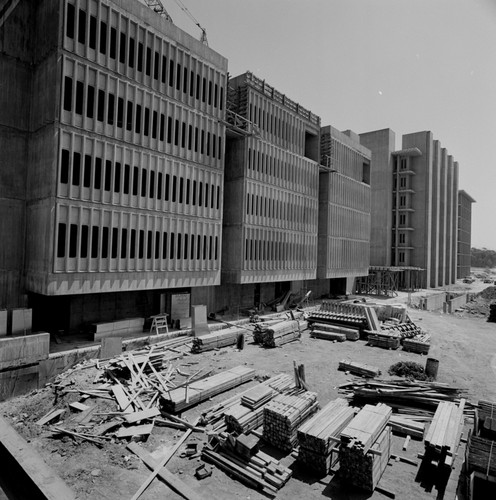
x=40 y=481
x=170 y=479
x=134 y=430
x=122 y=399
x=26 y=350
x=52 y=415
x=137 y=416
x=79 y=406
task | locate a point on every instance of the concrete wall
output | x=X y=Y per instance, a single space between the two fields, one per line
x=455 y=302
x=433 y=302
x=464 y=234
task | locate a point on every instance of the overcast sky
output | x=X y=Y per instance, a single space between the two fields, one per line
x=364 y=65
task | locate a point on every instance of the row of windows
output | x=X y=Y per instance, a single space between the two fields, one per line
x=402 y=220
x=113 y=176
x=106 y=242
x=96 y=103
x=343 y=254
x=88 y=30
x=347 y=160
x=347 y=192
x=287 y=254
x=347 y=223
x=288 y=168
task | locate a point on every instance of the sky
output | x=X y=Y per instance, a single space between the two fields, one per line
x=408 y=65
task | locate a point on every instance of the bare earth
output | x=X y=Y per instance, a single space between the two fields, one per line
x=464 y=344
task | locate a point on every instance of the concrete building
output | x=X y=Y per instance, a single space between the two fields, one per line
x=464 y=233
x=344 y=207
x=424 y=205
x=112 y=154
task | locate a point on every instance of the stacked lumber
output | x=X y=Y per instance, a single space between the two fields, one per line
x=420 y=344
x=257 y=396
x=360 y=369
x=334 y=336
x=384 y=339
x=481 y=457
x=406 y=330
x=365 y=469
x=318 y=438
x=180 y=398
x=240 y=419
x=485 y=412
x=443 y=437
x=260 y=327
x=215 y=415
x=357 y=321
x=259 y=471
x=350 y=333
x=283 y=332
x=406 y=425
x=284 y=414
x=216 y=340
x=401 y=394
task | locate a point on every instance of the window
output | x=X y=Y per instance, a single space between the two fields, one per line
x=148 y=69
x=143 y=182
x=113 y=43
x=64 y=167
x=129 y=116
x=402 y=182
x=84 y=241
x=402 y=219
x=131 y=52
x=111 y=104
x=73 y=241
x=98 y=173
x=122 y=49
x=94 y=242
x=156 y=61
x=92 y=42
x=79 y=97
x=101 y=106
x=87 y=171
x=76 y=168
x=120 y=111
x=82 y=27
x=132 y=244
x=152 y=184
x=140 y=57
x=108 y=175
x=127 y=173
x=146 y=124
x=137 y=127
x=103 y=37
x=90 y=101
x=61 y=240
x=117 y=177
x=141 y=249
x=67 y=93
x=402 y=237
x=149 y=245
x=123 y=243
x=71 y=14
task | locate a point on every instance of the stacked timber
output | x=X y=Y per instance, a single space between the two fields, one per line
x=259 y=329
x=405 y=330
x=284 y=414
x=401 y=394
x=420 y=343
x=283 y=332
x=485 y=416
x=492 y=313
x=319 y=437
x=407 y=425
x=443 y=437
x=357 y=321
x=480 y=458
x=257 y=396
x=178 y=399
x=384 y=339
x=349 y=332
x=333 y=336
x=366 y=447
x=217 y=339
x=215 y=415
x=360 y=369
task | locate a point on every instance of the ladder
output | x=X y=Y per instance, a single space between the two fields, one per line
x=159 y=324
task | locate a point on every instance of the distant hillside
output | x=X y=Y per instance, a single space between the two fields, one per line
x=482 y=257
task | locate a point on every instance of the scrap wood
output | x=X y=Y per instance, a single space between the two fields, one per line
x=51 y=415
x=170 y=479
x=134 y=430
x=88 y=437
x=137 y=416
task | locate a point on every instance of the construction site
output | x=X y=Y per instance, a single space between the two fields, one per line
x=208 y=293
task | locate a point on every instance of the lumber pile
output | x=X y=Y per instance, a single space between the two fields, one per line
x=349 y=332
x=178 y=399
x=326 y=335
x=357 y=321
x=407 y=425
x=480 y=458
x=281 y=333
x=360 y=369
x=215 y=415
x=420 y=343
x=405 y=330
x=259 y=471
x=319 y=437
x=485 y=419
x=284 y=414
x=216 y=340
x=402 y=394
x=366 y=447
x=443 y=437
x=384 y=339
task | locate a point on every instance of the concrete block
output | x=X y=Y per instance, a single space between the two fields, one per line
x=17 y=351
x=22 y=321
x=3 y=322
x=199 y=320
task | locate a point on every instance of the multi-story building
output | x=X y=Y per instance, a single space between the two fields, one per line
x=344 y=208
x=464 y=233
x=113 y=139
x=424 y=205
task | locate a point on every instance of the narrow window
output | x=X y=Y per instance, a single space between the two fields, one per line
x=192 y=245
x=82 y=27
x=141 y=250
x=204 y=89
x=178 y=77
x=90 y=101
x=64 y=167
x=140 y=57
x=154 y=124
x=123 y=243
x=198 y=247
x=79 y=97
x=92 y=41
x=216 y=95
x=76 y=168
x=171 y=253
x=129 y=116
x=131 y=52
x=185 y=80
x=94 y=242
x=132 y=244
x=174 y=187
x=181 y=189
x=113 y=43
x=115 y=242
x=204 y=247
x=98 y=173
x=196 y=139
x=176 y=133
x=192 y=84
x=87 y=171
x=122 y=49
x=108 y=175
x=190 y=136
x=214 y=144
x=69 y=27
x=164 y=69
x=101 y=106
x=120 y=111
x=156 y=62
x=159 y=185
x=73 y=241
x=169 y=129
x=127 y=172
x=183 y=135
x=212 y=196
x=209 y=93
x=200 y=195
x=61 y=240
x=188 y=187
x=193 y=194
x=152 y=184
x=84 y=241
x=171 y=73
x=221 y=97
x=185 y=246
x=167 y=183
x=146 y=125
x=111 y=104
x=148 y=69
x=220 y=148
x=208 y=143
x=67 y=93
x=210 y=247
x=162 y=126
x=137 y=127
x=117 y=177
x=164 y=247
x=103 y=37
x=206 y=194
x=143 y=182
x=179 y=242
x=218 y=197
x=197 y=86
x=202 y=142
x=157 y=245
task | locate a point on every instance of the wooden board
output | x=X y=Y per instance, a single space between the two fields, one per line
x=134 y=430
x=39 y=480
x=25 y=350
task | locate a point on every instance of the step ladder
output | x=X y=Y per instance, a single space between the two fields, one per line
x=159 y=324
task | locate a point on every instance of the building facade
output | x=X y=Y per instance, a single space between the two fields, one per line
x=344 y=206
x=424 y=198
x=464 y=233
x=114 y=169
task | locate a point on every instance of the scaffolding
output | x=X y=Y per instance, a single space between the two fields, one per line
x=387 y=281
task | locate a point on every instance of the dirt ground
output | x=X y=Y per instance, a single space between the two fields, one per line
x=464 y=343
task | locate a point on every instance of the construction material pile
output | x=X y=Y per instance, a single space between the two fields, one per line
x=384 y=339
x=408 y=425
x=404 y=395
x=215 y=415
x=360 y=369
x=404 y=330
x=319 y=437
x=485 y=419
x=240 y=458
x=443 y=437
x=366 y=447
x=420 y=344
x=217 y=339
x=190 y=394
x=327 y=331
x=280 y=333
x=481 y=458
x=284 y=414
